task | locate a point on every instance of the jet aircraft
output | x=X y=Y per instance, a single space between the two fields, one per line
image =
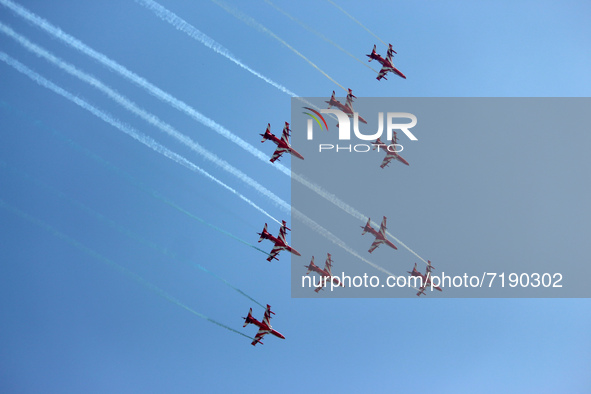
x=380 y=235
x=280 y=242
x=347 y=108
x=282 y=144
x=325 y=274
x=264 y=326
x=387 y=63
x=426 y=279
x=389 y=154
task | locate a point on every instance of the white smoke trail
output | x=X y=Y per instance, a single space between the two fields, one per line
x=113 y=264
x=184 y=26
x=126 y=129
x=152 y=89
x=102 y=218
x=316 y=32
x=356 y=21
x=159 y=148
x=148 y=117
x=251 y=22
x=334 y=239
x=181 y=106
x=347 y=208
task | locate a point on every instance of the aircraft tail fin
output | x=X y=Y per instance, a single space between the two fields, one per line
x=366 y=226
x=310 y=266
x=373 y=53
x=263 y=233
x=248 y=319
x=267 y=132
x=332 y=100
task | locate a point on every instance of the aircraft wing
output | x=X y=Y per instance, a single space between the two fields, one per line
x=274 y=252
x=282 y=233
x=278 y=152
x=389 y=157
x=328 y=265
x=383 y=72
x=285 y=136
x=386 y=160
x=267 y=318
x=383 y=227
x=375 y=244
x=260 y=334
x=390 y=54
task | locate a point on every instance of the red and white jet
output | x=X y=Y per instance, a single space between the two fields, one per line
x=325 y=274
x=380 y=235
x=387 y=63
x=426 y=279
x=280 y=242
x=389 y=154
x=347 y=108
x=282 y=144
x=264 y=326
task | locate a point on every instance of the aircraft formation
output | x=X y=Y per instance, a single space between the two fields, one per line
x=283 y=146
x=280 y=242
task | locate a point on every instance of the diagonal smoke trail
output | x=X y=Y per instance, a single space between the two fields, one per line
x=336 y=240
x=137 y=183
x=347 y=208
x=112 y=264
x=180 y=24
x=113 y=65
x=148 y=117
x=107 y=118
x=316 y=32
x=128 y=177
x=356 y=21
x=181 y=106
x=251 y=22
x=102 y=218
x=126 y=129
x=184 y=26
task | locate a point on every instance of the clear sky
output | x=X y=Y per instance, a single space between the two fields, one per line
x=108 y=260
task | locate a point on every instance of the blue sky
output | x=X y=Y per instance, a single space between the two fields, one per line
x=72 y=321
